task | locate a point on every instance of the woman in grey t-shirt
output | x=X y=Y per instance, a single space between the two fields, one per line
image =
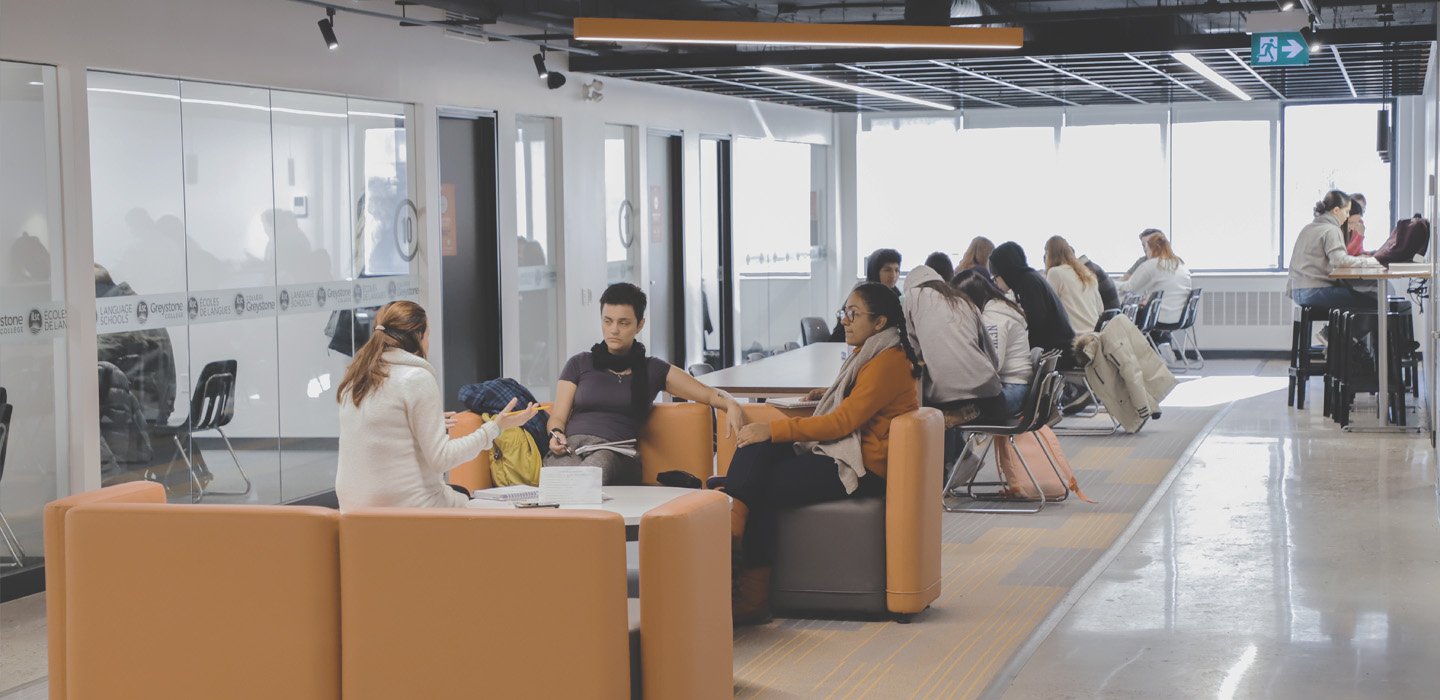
x=605 y=394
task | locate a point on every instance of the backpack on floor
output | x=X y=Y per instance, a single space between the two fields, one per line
x=1018 y=485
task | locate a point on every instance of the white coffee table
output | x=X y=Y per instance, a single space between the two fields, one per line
x=632 y=502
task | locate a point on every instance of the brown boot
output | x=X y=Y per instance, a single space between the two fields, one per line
x=751 y=601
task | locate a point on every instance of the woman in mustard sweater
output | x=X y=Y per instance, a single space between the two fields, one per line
x=840 y=452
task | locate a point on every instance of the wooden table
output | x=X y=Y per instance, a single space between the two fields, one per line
x=1382 y=346
x=793 y=373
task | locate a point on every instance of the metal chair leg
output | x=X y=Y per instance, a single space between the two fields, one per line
x=1059 y=428
x=12 y=543
x=243 y=475
x=970 y=493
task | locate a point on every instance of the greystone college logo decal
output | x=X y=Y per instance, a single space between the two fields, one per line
x=239 y=304
x=142 y=312
x=320 y=297
x=36 y=322
x=391 y=289
x=357 y=292
x=284 y=300
x=192 y=308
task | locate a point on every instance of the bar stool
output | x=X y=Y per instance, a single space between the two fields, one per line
x=1306 y=360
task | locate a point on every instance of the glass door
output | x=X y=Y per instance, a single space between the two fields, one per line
x=539 y=255
x=622 y=223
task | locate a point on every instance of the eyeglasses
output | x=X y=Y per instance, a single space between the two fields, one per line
x=850 y=314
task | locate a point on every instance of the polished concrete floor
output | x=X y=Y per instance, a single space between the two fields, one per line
x=1288 y=560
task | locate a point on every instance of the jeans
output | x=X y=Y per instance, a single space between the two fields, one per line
x=1014 y=395
x=1334 y=297
x=768 y=477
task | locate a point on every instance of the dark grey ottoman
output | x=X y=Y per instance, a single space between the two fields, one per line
x=830 y=560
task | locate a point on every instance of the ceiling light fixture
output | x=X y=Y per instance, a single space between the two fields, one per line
x=327 y=29
x=554 y=79
x=660 y=31
x=1287 y=6
x=856 y=88
x=1197 y=65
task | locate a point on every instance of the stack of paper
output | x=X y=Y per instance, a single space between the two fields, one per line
x=508 y=493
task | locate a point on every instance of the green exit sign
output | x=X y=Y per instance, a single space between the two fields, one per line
x=1270 y=49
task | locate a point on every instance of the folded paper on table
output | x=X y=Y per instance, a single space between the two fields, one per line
x=570 y=485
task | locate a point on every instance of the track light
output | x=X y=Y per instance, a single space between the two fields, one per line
x=1287 y=5
x=327 y=29
x=553 y=79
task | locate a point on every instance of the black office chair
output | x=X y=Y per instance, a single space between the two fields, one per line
x=1105 y=317
x=791 y=345
x=813 y=330
x=1040 y=409
x=699 y=368
x=211 y=408
x=12 y=543
x=1183 y=337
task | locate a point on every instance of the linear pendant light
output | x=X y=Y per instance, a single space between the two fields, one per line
x=855 y=88
x=1194 y=63
x=663 y=31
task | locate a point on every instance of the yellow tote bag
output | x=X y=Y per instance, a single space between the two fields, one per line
x=514 y=459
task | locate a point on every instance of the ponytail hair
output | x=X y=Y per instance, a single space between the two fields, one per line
x=400 y=325
x=1334 y=199
x=881 y=301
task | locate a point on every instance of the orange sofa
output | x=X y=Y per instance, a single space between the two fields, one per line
x=677 y=437
x=189 y=601
x=819 y=573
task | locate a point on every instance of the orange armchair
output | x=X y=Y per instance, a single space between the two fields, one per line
x=677 y=436
x=56 y=610
x=192 y=601
x=908 y=515
x=441 y=603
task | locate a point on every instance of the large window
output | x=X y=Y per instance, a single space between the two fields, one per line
x=777 y=239
x=1222 y=190
x=1332 y=147
x=1206 y=174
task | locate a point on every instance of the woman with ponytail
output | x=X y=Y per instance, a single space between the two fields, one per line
x=394 y=450
x=1319 y=249
x=839 y=452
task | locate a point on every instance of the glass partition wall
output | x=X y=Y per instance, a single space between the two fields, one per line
x=243 y=240
x=537 y=227
x=34 y=451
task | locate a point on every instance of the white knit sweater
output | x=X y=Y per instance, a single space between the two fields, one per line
x=393 y=447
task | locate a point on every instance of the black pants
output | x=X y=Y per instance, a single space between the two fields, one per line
x=768 y=477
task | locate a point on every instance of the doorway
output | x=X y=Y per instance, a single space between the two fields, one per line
x=470 y=250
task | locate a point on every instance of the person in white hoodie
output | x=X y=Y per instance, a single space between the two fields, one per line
x=1004 y=322
x=945 y=330
x=394 y=450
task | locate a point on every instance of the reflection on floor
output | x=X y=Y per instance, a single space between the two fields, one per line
x=1287 y=559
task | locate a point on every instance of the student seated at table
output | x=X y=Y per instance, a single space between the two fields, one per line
x=1163 y=271
x=1005 y=325
x=1144 y=252
x=1047 y=322
x=977 y=256
x=393 y=446
x=951 y=343
x=1077 y=287
x=940 y=263
x=1109 y=295
x=839 y=452
x=606 y=393
x=1355 y=227
x=1319 y=249
x=881 y=266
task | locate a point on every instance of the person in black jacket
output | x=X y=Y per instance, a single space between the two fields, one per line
x=881 y=266
x=1049 y=325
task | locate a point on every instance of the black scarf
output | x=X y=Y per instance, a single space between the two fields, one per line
x=602 y=359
